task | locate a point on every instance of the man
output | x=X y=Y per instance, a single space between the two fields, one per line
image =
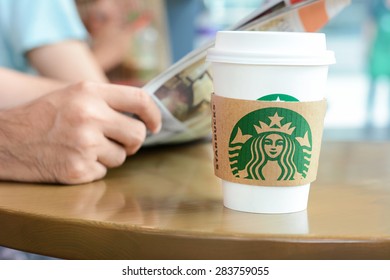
x=54 y=128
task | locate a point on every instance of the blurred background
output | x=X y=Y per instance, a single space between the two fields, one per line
x=353 y=113
x=357 y=103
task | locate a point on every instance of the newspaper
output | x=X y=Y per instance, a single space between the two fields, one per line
x=183 y=91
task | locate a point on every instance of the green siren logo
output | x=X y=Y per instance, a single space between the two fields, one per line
x=271 y=144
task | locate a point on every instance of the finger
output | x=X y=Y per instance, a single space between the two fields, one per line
x=82 y=172
x=97 y=173
x=125 y=130
x=111 y=154
x=136 y=101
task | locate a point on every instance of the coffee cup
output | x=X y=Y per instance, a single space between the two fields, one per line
x=268 y=111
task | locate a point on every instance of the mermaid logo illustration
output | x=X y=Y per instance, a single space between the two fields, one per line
x=271 y=144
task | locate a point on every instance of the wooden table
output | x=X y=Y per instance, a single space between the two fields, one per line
x=165 y=203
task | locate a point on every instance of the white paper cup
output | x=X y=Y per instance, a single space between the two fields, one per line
x=250 y=65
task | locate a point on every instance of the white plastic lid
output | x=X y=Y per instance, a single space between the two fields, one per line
x=271 y=48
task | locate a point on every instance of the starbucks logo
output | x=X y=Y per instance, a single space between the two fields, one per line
x=271 y=144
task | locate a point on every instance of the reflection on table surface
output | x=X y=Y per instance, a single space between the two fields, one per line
x=172 y=191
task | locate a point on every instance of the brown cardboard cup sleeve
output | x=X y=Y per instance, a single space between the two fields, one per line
x=266 y=143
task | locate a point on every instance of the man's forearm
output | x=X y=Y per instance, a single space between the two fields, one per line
x=17 y=88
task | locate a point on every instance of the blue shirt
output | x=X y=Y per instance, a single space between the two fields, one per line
x=28 y=24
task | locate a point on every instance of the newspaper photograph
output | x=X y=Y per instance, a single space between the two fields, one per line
x=183 y=91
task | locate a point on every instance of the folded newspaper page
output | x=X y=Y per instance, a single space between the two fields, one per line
x=183 y=91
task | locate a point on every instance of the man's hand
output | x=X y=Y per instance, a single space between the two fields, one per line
x=75 y=134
